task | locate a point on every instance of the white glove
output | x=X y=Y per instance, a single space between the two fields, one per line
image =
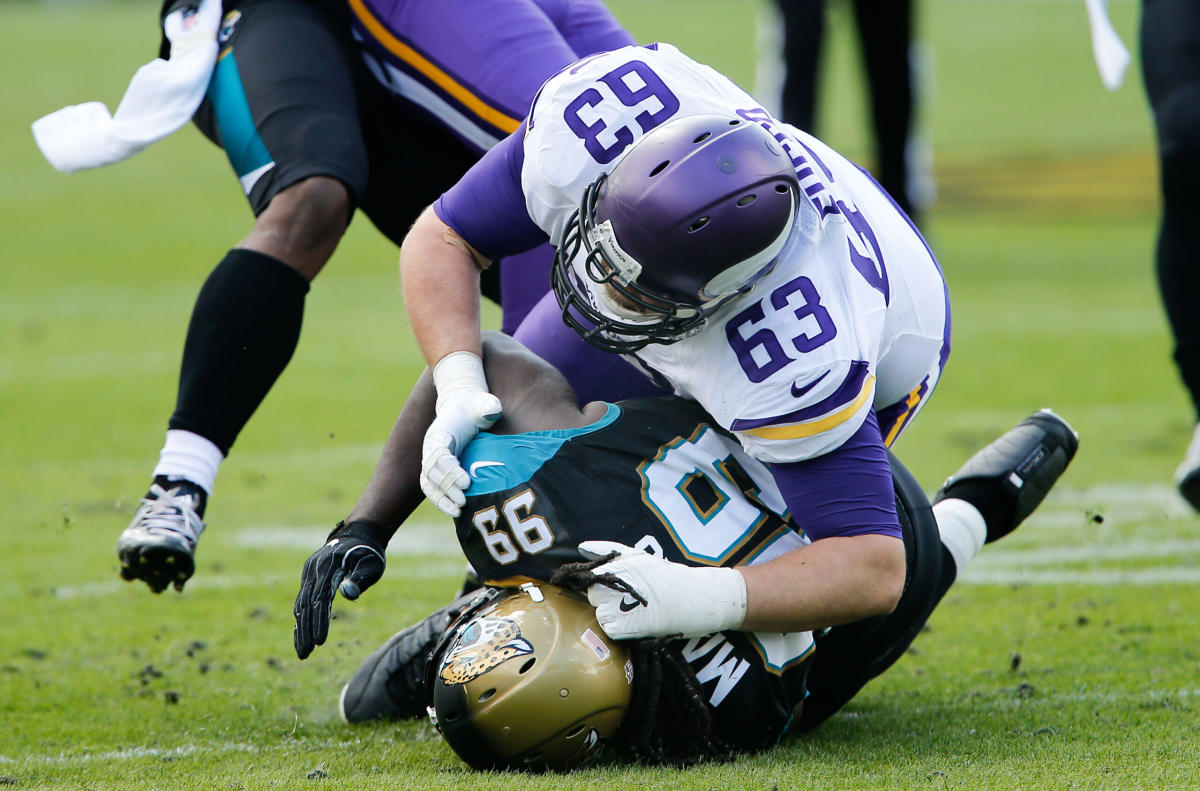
x=684 y=600
x=464 y=406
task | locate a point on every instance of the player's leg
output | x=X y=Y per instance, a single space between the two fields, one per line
x=985 y=500
x=803 y=31
x=1170 y=48
x=282 y=104
x=885 y=30
x=849 y=656
x=1006 y=480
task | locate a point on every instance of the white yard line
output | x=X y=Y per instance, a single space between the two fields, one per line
x=1103 y=578
x=1140 y=523
x=421 y=538
x=1139 y=549
x=139 y=751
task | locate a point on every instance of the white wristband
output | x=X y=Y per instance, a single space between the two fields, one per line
x=720 y=600
x=458 y=371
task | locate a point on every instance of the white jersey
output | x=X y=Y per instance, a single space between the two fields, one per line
x=854 y=317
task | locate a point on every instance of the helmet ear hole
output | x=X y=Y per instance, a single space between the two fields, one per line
x=781 y=188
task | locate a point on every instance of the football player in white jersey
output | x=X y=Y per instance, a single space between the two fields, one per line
x=739 y=262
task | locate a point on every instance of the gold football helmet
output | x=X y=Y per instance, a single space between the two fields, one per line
x=528 y=680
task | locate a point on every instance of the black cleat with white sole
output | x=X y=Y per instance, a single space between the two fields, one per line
x=1010 y=477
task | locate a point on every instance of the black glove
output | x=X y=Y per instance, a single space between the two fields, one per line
x=352 y=561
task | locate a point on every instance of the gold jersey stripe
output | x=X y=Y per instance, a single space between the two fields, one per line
x=911 y=402
x=422 y=64
x=800 y=430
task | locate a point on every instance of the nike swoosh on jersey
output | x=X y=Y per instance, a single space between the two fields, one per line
x=799 y=391
x=626 y=605
x=478 y=465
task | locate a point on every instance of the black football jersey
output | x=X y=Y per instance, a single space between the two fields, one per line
x=656 y=474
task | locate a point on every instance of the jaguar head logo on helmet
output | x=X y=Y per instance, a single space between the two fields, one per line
x=485 y=643
x=694 y=214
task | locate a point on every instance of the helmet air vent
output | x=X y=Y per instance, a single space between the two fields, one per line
x=529 y=663
x=660 y=167
x=487 y=694
x=698 y=224
x=746 y=200
x=702 y=137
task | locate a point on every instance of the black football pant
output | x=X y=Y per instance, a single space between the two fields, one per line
x=885 y=33
x=1170 y=44
x=849 y=656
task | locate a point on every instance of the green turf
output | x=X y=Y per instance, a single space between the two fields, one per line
x=1066 y=659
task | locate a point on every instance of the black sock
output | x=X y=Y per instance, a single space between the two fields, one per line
x=243 y=332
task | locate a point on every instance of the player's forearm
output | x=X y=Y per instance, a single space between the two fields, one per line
x=394 y=491
x=829 y=582
x=441 y=289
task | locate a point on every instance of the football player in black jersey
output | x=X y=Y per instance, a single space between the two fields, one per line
x=651 y=480
x=323 y=107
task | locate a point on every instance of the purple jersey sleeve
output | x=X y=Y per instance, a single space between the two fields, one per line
x=848 y=492
x=487 y=207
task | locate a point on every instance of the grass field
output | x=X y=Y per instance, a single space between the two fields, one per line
x=1067 y=657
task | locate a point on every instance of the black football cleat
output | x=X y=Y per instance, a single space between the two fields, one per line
x=1187 y=476
x=159 y=546
x=1010 y=477
x=390 y=684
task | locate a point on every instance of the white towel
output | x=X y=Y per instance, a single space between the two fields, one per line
x=162 y=96
x=1112 y=58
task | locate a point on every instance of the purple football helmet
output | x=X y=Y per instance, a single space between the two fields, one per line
x=695 y=213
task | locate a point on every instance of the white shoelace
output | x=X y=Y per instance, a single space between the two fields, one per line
x=173 y=514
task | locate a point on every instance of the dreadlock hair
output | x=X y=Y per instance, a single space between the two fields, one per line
x=668 y=722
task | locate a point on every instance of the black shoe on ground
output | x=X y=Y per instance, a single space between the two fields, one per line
x=1010 y=477
x=390 y=684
